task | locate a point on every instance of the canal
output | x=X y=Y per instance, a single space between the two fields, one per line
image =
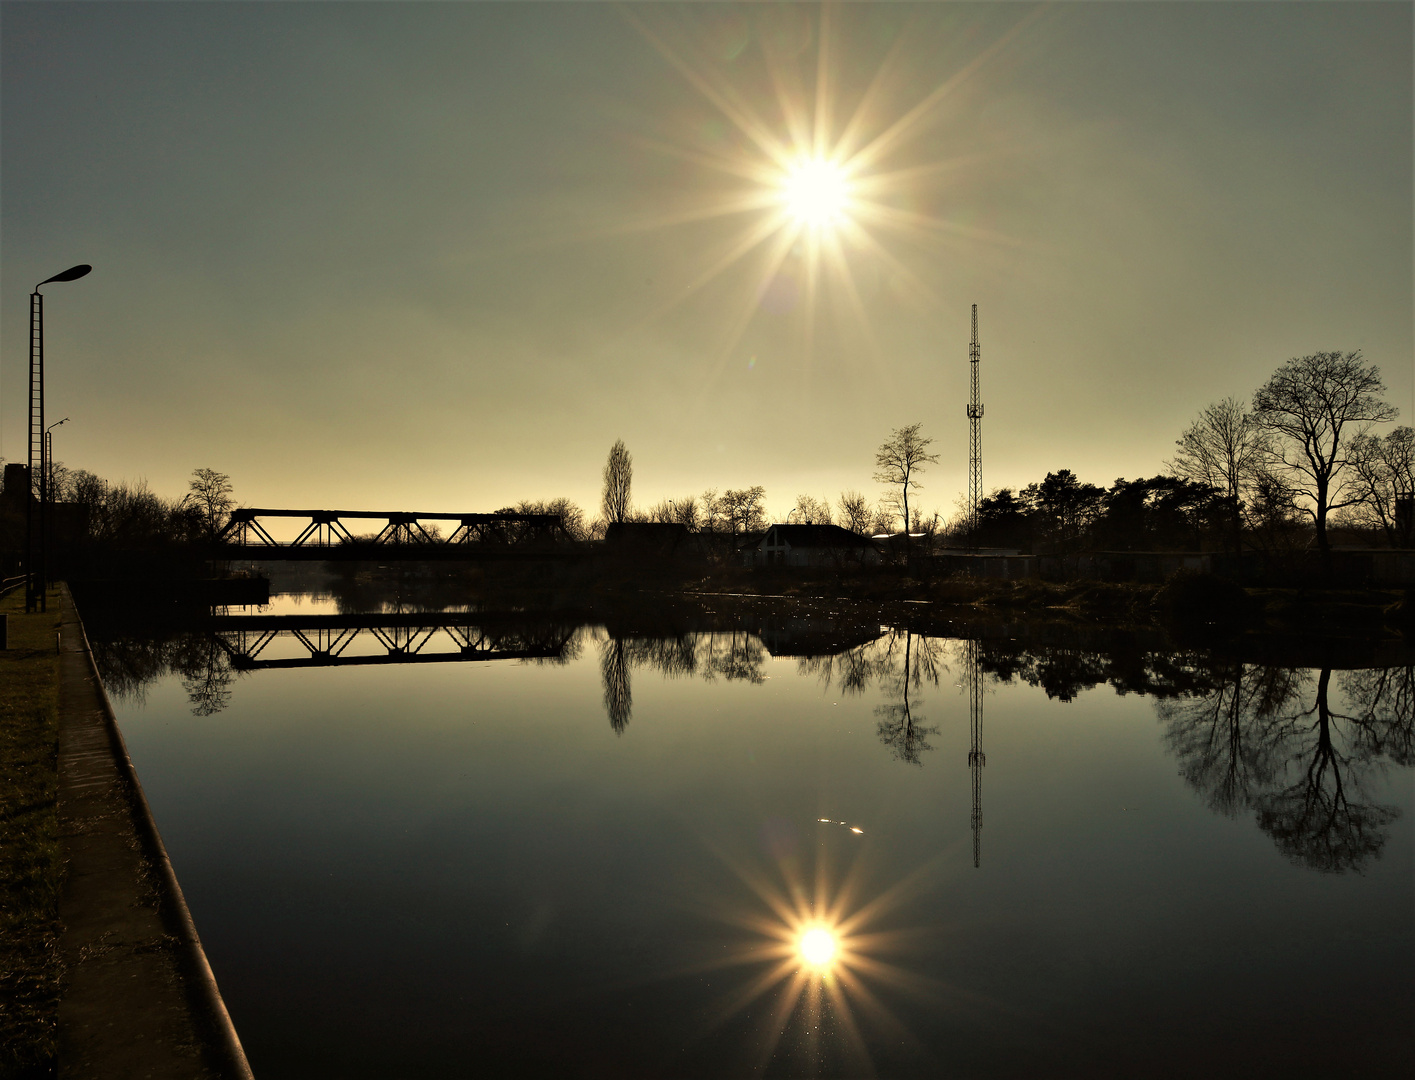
x=479 y=844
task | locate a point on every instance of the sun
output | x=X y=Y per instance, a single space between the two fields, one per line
x=817 y=947
x=815 y=192
x=828 y=175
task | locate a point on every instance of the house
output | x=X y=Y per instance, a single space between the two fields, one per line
x=814 y=545
x=646 y=537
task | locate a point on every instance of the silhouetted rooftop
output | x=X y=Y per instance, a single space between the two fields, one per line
x=816 y=536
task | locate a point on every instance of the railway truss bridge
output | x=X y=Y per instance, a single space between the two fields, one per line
x=267 y=642
x=331 y=535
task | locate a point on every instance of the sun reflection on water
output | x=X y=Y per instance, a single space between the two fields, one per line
x=821 y=952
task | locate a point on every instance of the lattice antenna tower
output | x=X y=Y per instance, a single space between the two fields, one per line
x=975 y=436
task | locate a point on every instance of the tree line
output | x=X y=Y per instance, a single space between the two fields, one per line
x=1272 y=475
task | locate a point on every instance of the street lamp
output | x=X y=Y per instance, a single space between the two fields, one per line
x=36 y=525
x=47 y=493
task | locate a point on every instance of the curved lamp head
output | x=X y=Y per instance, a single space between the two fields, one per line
x=71 y=274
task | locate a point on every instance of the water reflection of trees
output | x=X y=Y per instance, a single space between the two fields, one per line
x=917 y=663
x=731 y=655
x=128 y=666
x=1270 y=741
x=1295 y=747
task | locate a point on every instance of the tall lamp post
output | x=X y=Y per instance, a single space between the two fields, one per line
x=36 y=530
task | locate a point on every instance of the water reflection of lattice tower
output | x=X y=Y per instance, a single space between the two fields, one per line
x=976 y=760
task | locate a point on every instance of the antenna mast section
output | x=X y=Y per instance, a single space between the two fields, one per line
x=975 y=444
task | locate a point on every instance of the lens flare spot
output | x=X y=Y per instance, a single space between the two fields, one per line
x=815 y=192
x=817 y=947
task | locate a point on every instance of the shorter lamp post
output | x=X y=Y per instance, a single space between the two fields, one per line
x=47 y=493
x=36 y=573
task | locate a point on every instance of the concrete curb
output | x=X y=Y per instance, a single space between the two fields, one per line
x=227 y=1057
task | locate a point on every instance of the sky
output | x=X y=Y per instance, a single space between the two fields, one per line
x=440 y=256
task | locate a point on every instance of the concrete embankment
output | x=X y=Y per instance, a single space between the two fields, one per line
x=139 y=997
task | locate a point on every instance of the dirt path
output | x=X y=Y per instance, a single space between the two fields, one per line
x=138 y=1000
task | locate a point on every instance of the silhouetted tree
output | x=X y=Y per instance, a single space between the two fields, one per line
x=1163 y=511
x=618 y=476
x=712 y=517
x=1312 y=408
x=1385 y=484
x=1226 y=449
x=677 y=512
x=855 y=512
x=744 y=509
x=813 y=511
x=210 y=492
x=568 y=515
x=1062 y=507
x=1002 y=520
x=1274 y=516
x=882 y=522
x=898 y=461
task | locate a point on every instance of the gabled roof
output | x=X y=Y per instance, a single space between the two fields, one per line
x=816 y=536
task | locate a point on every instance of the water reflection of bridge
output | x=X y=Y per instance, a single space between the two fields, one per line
x=404 y=638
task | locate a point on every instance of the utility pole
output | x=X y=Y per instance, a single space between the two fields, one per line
x=975 y=443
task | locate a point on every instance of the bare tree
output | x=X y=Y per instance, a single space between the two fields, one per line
x=882 y=517
x=1385 y=480
x=744 y=509
x=712 y=517
x=1226 y=449
x=855 y=512
x=210 y=491
x=677 y=512
x=899 y=458
x=1313 y=407
x=813 y=511
x=618 y=475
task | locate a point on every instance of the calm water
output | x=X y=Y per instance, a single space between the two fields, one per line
x=592 y=856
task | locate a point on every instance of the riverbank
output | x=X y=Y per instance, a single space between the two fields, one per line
x=31 y=862
x=106 y=976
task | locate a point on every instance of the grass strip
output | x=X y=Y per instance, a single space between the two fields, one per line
x=31 y=865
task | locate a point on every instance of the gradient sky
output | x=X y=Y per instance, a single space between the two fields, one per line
x=440 y=256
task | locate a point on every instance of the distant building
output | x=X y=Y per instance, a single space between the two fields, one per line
x=814 y=545
x=16 y=486
x=646 y=537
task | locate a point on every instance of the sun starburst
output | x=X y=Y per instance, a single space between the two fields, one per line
x=816 y=195
x=819 y=952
